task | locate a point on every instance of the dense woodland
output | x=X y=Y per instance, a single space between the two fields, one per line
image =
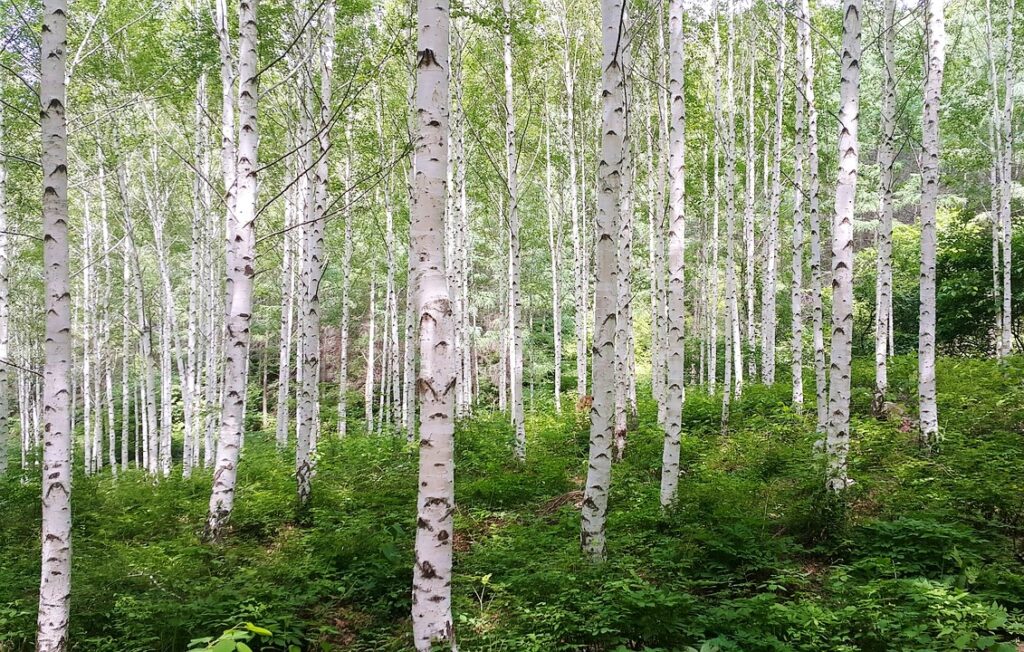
x=535 y=325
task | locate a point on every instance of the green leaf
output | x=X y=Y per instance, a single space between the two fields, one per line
x=224 y=645
x=262 y=631
x=242 y=647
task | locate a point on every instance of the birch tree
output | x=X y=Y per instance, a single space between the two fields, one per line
x=796 y=296
x=837 y=443
x=935 y=35
x=595 y=499
x=6 y=375
x=241 y=257
x=55 y=574
x=768 y=296
x=315 y=252
x=432 y=598
x=515 y=303
x=675 y=340
x=886 y=164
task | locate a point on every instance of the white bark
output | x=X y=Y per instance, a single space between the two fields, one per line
x=371 y=364
x=346 y=284
x=431 y=599
x=315 y=252
x=768 y=296
x=555 y=247
x=55 y=576
x=837 y=443
x=515 y=300
x=241 y=268
x=578 y=244
x=731 y=298
x=613 y=127
x=675 y=336
x=886 y=162
x=284 y=354
x=6 y=375
x=749 y=198
x=814 y=219
x=935 y=34
x=191 y=383
x=1006 y=178
x=796 y=294
x=624 y=254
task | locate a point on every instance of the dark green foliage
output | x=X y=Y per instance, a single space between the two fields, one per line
x=923 y=554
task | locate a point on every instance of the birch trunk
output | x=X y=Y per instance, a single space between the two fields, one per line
x=241 y=268
x=55 y=576
x=731 y=298
x=837 y=443
x=555 y=246
x=886 y=163
x=814 y=218
x=515 y=300
x=284 y=354
x=676 y=255
x=995 y=134
x=371 y=363
x=935 y=34
x=613 y=127
x=624 y=254
x=306 y=437
x=768 y=296
x=6 y=376
x=1007 y=182
x=749 y=245
x=346 y=284
x=578 y=244
x=431 y=599
x=713 y=307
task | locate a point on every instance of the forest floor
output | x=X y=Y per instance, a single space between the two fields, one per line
x=926 y=553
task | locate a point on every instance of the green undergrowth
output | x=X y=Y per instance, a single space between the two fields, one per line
x=925 y=552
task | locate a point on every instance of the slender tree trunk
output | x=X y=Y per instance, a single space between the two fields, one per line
x=371 y=364
x=995 y=134
x=749 y=244
x=837 y=443
x=624 y=254
x=6 y=376
x=713 y=304
x=768 y=296
x=515 y=300
x=55 y=582
x=675 y=339
x=578 y=244
x=346 y=284
x=613 y=127
x=431 y=601
x=241 y=269
x=796 y=296
x=1007 y=181
x=308 y=427
x=731 y=298
x=555 y=246
x=935 y=34
x=814 y=218
x=886 y=163
x=284 y=354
